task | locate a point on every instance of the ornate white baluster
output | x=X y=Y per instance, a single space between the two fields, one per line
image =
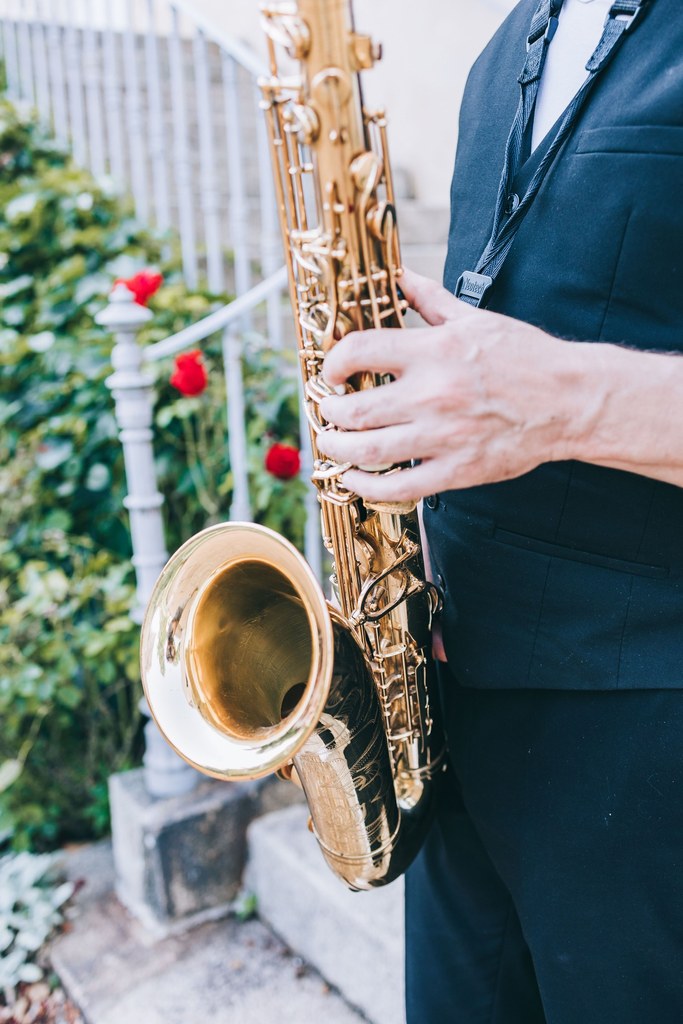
x=75 y=88
x=165 y=773
x=207 y=163
x=183 y=164
x=91 y=72
x=113 y=99
x=135 y=127
x=157 y=130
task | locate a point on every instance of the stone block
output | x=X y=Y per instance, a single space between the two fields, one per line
x=179 y=861
x=355 y=940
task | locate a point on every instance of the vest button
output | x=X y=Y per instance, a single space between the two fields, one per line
x=512 y=203
x=432 y=502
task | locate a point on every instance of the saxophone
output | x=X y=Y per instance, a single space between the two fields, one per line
x=247 y=668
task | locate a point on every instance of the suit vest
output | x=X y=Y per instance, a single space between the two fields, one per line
x=571 y=577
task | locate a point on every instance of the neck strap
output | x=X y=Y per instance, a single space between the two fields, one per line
x=474 y=286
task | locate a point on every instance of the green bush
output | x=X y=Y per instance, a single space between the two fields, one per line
x=68 y=651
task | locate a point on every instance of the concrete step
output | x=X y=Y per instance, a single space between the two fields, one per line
x=355 y=940
x=230 y=972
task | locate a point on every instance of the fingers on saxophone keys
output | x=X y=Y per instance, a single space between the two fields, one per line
x=408 y=485
x=371 y=351
x=366 y=410
x=372 y=450
x=327 y=471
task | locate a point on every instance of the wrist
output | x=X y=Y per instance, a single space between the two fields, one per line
x=584 y=382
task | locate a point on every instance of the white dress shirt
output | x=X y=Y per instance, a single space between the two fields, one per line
x=578 y=33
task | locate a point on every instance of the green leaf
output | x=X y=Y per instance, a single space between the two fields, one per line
x=50 y=456
x=41 y=342
x=98 y=478
x=14 y=316
x=9 y=773
x=29 y=973
x=15 y=286
x=245 y=906
x=21 y=207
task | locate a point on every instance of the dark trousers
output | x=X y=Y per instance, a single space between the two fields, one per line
x=550 y=889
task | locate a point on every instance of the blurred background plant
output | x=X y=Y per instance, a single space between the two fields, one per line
x=68 y=649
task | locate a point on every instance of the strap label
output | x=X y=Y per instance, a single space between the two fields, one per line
x=473 y=287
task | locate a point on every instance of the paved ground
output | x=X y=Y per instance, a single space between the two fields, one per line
x=228 y=972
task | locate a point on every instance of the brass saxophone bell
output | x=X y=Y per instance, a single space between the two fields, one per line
x=237 y=650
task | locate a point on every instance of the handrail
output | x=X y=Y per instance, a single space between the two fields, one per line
x=218 y=321
x=236 y=49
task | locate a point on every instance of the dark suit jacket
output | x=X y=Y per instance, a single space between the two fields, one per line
x=571 y=577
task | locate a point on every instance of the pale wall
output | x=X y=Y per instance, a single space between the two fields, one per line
x=429 y=46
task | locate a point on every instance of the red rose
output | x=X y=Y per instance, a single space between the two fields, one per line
x=190 y=376
x=143 y=285
x=283 y=461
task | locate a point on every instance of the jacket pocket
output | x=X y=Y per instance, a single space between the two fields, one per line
x=542 y=547
x=652 y=140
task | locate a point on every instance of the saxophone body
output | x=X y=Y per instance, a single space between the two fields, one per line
x=247 y=668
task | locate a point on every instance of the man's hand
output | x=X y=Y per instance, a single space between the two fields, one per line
x=477 y=398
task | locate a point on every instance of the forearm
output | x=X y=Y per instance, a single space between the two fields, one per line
x=629 y=410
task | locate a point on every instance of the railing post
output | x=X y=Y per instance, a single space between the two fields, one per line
x=132 y=389
x=28 y=89
x=182 y=156
x=240 y=508
x=43 y=100
x=92 y=82
x=57 y=77
x=113 y=100
x=207 y=165
x=136 y=126
x=271 y=238
x=157 y=129
x=11 y=57
x=72 y=57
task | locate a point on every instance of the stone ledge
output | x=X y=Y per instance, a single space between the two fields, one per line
x=179 y=861
x=355 y=940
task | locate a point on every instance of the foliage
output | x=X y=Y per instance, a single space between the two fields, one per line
x=68 y=651
x=192 y=444
x=31 y=904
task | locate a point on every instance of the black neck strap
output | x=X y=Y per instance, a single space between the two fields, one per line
x=474 y=286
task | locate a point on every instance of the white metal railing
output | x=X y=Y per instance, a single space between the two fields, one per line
x=133 y=391
x=132 y=388
x=151 y=94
